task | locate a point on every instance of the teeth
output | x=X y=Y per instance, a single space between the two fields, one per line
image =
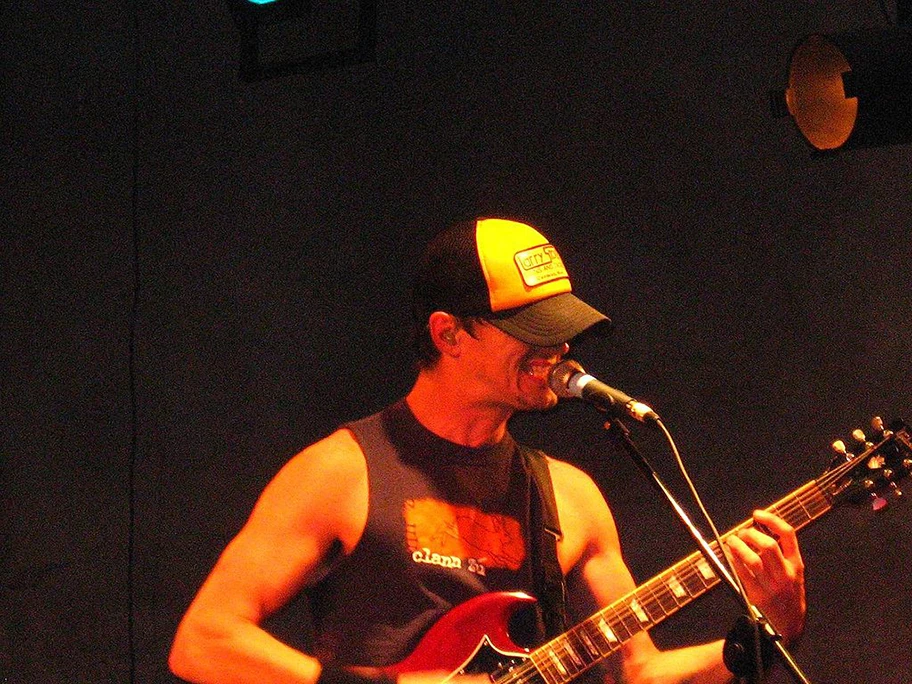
x=538 y=370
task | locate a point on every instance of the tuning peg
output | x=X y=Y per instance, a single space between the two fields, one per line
x=842 y=454
x=877 y=425
x=887 y=474
x=840 y=448
x=860 y=437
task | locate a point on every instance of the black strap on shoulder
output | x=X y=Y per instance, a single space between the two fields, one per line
x=547 y=576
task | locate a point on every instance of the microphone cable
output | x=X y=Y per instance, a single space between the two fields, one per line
x=742 y=592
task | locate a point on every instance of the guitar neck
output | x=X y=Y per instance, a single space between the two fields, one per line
x=564 y=658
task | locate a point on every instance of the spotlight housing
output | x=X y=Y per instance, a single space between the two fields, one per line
x=850 y=90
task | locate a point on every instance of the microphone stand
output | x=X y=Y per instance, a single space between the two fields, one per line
x=621 y=434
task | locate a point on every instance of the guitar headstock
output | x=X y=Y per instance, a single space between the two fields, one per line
x=872 y=467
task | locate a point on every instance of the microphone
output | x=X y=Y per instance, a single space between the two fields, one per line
x=568 y=380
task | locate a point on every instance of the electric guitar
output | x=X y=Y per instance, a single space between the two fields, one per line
x=474 y=636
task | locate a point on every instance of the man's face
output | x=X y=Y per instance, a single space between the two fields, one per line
x=503 y=371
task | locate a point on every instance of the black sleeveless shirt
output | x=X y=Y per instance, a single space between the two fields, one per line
x=445 y=523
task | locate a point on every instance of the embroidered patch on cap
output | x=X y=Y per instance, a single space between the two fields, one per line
x=540 y=265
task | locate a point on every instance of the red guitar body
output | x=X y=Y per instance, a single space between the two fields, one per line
x=471 y=638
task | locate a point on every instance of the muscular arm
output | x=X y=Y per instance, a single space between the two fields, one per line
x=591 y=549
x=315 y=503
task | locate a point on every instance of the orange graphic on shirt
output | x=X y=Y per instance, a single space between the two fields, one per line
x=463 y=532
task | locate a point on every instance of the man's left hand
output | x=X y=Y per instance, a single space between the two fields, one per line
x=768 y=561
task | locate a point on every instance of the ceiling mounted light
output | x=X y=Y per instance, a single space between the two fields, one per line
x=283 y=37
x=851 y=90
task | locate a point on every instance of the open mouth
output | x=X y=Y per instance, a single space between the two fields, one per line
x=538 y=368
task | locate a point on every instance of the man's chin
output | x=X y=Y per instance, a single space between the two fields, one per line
x=542 y=403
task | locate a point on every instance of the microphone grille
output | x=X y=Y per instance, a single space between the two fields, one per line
x=560 y=375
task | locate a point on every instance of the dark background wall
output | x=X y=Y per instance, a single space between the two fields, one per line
x=203 y=275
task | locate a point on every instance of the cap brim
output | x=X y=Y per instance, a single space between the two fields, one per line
x=552 y=321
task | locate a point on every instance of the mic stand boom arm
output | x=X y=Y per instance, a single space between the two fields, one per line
x=620 y=433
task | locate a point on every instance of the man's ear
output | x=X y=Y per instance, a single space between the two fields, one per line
x=444 y=328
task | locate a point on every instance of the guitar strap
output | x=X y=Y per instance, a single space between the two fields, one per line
x=545 y=531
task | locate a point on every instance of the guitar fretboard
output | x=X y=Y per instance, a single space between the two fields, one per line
x=566 y=657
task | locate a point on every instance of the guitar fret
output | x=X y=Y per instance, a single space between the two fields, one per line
x=611 y=638
x=651 y=605
x=573 y=652
x=594 y=652
x=629 y=621
x=706 y=572
x=584 y=647
x=559 y=661
x=803 y=508
x=665 y=597
x=698 y=577
x=678 y=590
x=555 y=659
x=691 y=579
x=636 y=608
x=823 y=504
x=544 y=667
x=819 y=501
x=599 y=638
x=809 y=499
x=807 y=502
x=619 y=624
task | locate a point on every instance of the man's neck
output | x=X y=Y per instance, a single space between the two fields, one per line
x=444 y=410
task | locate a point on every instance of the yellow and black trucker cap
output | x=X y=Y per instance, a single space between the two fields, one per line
x=507 y=273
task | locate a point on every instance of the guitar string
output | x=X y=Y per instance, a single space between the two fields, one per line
x=810 y=500
x=623 y=613
x=686 y=573
x=810 y=503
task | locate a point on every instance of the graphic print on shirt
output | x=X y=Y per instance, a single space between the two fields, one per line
x=453 y=536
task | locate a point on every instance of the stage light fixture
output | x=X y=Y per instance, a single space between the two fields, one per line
x=283 y=37
x=247 y=12
x=851 y=90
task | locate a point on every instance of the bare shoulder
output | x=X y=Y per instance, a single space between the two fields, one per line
x=574 y=485
x=338 y=456
x=322 y=490
x=585 y=518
